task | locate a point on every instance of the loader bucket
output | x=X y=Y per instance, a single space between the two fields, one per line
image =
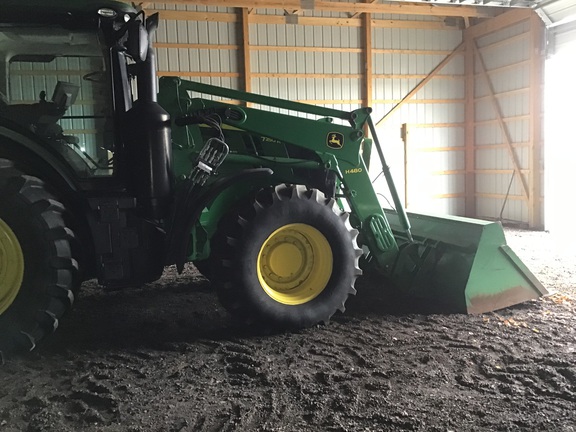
x=463 y=264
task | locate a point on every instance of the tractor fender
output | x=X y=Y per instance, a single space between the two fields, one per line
x=178 y=241
x=35 y=157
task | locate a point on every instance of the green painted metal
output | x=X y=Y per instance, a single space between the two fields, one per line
x=280 y=130
x=463 y=262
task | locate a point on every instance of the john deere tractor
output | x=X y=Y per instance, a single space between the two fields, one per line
x=106 y=174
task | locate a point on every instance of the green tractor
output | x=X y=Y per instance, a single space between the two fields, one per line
x=112 y=176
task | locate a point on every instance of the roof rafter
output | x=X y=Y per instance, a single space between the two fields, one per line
x=354 y=7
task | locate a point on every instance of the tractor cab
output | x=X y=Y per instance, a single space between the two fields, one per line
x=68 y=74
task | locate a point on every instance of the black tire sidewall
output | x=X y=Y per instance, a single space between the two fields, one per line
x=340 y=285
x=35 y=218
x=30 y=229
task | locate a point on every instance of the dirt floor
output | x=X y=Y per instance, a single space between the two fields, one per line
x=166 y=357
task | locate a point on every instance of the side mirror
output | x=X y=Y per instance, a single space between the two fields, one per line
x=137 y=44
x=152 y=23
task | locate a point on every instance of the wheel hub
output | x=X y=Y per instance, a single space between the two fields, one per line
x=295 y=264
x=11 y=266
x=287 y=260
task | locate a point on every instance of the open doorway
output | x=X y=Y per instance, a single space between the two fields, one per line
x=560 y=148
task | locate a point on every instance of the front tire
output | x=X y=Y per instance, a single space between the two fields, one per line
x=290 y=260
x=37 y=271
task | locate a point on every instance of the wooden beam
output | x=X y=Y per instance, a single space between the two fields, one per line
x=448 y=172
x=255 y=18
x=331 y=101
x=355 y=14
x=305 y=75
x=502 y=196
x=470 y=130
x=194 y=16
x=173 y=15
x=409 y=51
x=423 y=25
x=418 y=76
x=498 y=171
x=307 y=21
x=505 y=93
x=535 y=210
x=448 y=195
x=508 y=67
x=507 y=41
x=171 y=45
x=404 y=132
x=245 y=54
x=500 y=120
x=439 y=149
x=401 y=8
x=439 y=125
x=367 y=54
x=379 y=101
x=420 y=101
x=504 y=119
x=501 y=146
x=199 y=74
x=514 y=16
x=422 y=83
x=304 y=49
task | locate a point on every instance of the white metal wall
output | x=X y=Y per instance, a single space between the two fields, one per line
x=506 y=55
x=183 y=58
x=563 y=36
x=434 y=116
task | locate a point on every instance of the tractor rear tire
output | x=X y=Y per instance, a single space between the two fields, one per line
x=290 y=260
x=38 y=274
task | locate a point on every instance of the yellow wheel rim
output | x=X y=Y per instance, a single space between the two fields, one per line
x=295 y=264
x=11 y=266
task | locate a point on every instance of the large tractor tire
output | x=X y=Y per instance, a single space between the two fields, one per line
x=37 y=271
x=290 y=260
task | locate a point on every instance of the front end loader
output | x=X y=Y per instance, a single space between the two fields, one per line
x=464 y=264
x=109 y=177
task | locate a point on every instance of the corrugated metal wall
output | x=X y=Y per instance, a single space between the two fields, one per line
x=500 y=190
x=564 y=36
x=324 y=65
x=203 y=50
x=402 y=58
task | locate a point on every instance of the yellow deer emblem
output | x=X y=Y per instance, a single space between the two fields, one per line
x=335 y=140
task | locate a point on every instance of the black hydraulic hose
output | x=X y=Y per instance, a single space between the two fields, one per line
x=178 y=240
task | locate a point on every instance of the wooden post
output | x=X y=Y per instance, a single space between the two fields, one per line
x=245 y=52
x=404 y=136
x=470 y=130
x=535 y=210
x=367 y=27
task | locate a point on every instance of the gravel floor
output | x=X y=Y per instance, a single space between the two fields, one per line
x=166 y=357
x=551 y=257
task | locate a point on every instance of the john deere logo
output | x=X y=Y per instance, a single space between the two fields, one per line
x=335 y=140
